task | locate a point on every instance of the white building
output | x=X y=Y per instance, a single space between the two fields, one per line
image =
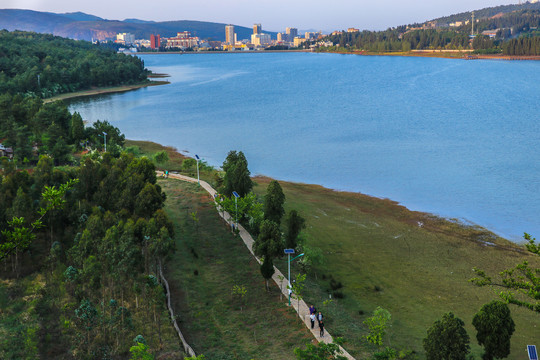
x=125 y=38
x=261 y=39
x=230 y=37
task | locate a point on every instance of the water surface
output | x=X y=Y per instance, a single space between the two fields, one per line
x=456 y=138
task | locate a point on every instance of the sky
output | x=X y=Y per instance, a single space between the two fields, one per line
x=274 y=15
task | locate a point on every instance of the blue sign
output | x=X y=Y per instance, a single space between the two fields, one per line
x=197 y=156
x=289 y=251
x=235 y=194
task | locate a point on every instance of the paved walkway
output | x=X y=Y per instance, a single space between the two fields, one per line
x=302 y=310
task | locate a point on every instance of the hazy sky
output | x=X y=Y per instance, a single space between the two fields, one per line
x=274 y=15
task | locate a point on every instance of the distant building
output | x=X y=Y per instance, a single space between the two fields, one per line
x=298 y=41
x=257 y=29
x=280 y=37
x=261 y=39
x=230 y=38
x=155 y=41
x=352 y=30
x=6 y=151
x=491 y=33
x=125 y=38
x=291 y=33
x=183 y=40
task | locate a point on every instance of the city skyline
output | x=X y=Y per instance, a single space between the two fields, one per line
x=302 y=14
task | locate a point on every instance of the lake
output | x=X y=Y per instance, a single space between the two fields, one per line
x=456 y=138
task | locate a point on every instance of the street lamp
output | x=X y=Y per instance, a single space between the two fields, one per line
x=289 y=252
x=105 y=139
x=236 y=196
x=197 y=157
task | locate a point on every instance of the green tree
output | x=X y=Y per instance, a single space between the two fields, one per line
x=494 y=327
x=521 y=284
x=295 y=223
x=161 y=157
x=237 y=176
x=20 y=236
x=139 y=351
x=77 y=129
x=268 y=243
x=321 y=351
x=447 y=339
x=377 y=325
x=267 y=270
x=273 y=202
x=297 y=288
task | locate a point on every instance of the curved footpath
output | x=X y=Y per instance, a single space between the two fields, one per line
x=302 y=309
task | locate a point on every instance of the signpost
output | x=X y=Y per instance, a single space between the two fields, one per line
x=236 y=196
x=289 y=252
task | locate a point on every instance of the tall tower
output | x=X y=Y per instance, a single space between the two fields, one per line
x=291 y=33
x=257 y=29
x=472 y=22
x=229 y=34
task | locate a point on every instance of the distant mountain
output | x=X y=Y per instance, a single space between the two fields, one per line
x=138 y=21
x=80 y=16
x=83 y=26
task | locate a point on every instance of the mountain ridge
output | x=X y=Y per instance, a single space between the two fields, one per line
x=82 y=26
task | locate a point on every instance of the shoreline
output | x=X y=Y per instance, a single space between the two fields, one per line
x=107 y=90
x=455 y=226
x=466 y=54
x=441 y=54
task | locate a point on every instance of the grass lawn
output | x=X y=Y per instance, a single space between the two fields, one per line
x=415 y=265
x=208 y=262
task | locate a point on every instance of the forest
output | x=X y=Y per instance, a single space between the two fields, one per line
x=33 y=128
x=87 y=240
x=45 y=65
x=517 y=35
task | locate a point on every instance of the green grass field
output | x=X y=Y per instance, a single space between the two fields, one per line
x=208 y=262
x=415 y=265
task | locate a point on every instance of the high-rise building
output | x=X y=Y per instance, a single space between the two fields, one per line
x=257 y=29
x=291 y=33
x=125 y=38
x=261 y=39
x=155 y=41
x=280 y=37
x=229 y=34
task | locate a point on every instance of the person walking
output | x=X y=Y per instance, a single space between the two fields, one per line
x=312 y=319
x=319 y=317
x=312 y=309
x=321 y=328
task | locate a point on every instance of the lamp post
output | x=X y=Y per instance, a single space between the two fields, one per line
x=197 y=157
x=289 y=252
x=105 y=139
x=236 y=196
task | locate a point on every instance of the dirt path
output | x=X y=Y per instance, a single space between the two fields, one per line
x=300 y=307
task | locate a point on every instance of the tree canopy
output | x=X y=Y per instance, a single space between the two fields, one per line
x=447 y=339
x=237 y=176
x=46 y=65
x=494 y=327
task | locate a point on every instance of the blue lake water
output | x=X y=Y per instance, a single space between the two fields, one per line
x=460 y=139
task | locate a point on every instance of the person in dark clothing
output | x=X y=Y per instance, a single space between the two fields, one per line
x=321 y=328
x=312 y=310
x=319 y=317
